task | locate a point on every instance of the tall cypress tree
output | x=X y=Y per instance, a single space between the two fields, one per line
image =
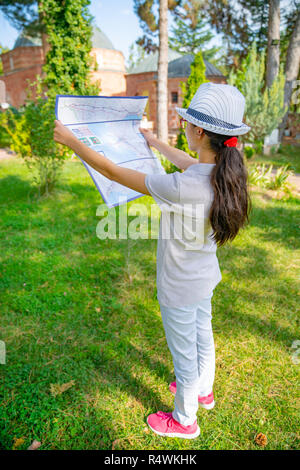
x=189 y=88
x=68 y=62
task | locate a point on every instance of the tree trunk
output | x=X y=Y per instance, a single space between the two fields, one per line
x=273 y=41
x=291 y=70
x=44 y=36
x=162 y=79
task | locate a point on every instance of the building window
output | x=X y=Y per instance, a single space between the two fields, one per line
x=11 y=62
x=174 y=97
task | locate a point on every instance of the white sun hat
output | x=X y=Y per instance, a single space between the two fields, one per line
x=218 y=108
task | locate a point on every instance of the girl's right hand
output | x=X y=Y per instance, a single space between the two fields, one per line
x=149 y=136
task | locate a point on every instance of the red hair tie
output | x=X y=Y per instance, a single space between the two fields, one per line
x=231 y=142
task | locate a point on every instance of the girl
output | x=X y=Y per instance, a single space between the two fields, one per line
x=187 y=274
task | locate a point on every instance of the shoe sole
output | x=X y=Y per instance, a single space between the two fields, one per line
x=206 y=406
x=176 y=434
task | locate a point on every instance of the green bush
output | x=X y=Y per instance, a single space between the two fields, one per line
x=260 y=175
x=31 y=137
x=166 y=164
x=249 y=152
x=259 y=146
x=5 y=138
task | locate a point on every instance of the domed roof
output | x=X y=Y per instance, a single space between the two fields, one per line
x=25 y=40
x=179 y=65
x=150 y=63
x=99 y=40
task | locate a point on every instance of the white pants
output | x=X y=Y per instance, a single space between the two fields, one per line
x=190 y=339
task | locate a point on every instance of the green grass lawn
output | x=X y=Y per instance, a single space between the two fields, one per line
x=74 y=307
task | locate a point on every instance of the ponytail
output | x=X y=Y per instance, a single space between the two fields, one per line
x=232 y=204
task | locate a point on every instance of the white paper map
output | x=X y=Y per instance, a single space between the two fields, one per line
x=110 y=126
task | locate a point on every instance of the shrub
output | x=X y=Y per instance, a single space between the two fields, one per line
x=5 y=138
x=249 y=152
x=31 y=137
x=261 y=176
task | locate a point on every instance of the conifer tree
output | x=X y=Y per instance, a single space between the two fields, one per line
x=264 y=105
x=189 y=88
x=190 y=33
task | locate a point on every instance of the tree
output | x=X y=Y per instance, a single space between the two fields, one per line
x=190 y=33
x=273 y=55
x=151 y=26
x=136 y=55
x=2 y=50
x=291 y=69
x=66 y=71
x=22 y=14
x=232 y=23
x=68 y=61
x=149 y=21
x=162 y=73
x=195 y=79
x=264 y=105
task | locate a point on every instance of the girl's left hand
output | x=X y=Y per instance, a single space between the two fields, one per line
x=62 y=135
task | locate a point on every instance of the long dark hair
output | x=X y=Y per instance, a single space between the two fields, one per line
x=232 y=204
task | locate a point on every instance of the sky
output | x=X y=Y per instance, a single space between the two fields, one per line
x=115 y=18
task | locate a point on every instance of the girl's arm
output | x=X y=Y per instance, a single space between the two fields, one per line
x=181 y=159
x=125 y=176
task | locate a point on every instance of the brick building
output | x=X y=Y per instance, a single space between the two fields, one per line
x=142 y=80
x=24 y=62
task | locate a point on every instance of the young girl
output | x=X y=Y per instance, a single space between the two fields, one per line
x=186 y=277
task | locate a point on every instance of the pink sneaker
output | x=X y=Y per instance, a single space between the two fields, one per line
x=164 y=424
x=207 y=402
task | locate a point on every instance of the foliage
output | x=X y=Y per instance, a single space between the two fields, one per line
x=260 y=175
x=2 y=50
x=190 y=34
x=136 y=55
x=67 y=71
x=68 y=63
x=264 y=106
x=31 y=137
x=249 y=152
x=22 y=14
x=242 y=22
x=166 y=164
x=149 y=21
x=6 y=120
x=189 y=88
x=288 y=20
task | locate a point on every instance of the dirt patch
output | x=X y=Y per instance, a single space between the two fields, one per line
x=6 y=153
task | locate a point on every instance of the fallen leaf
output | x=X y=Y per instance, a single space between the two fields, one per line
x=18 y=442
x=261 y=440
x=116 y=442
x=35 y=445
x=57 y=389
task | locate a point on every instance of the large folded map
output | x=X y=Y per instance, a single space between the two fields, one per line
x=110 y=126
